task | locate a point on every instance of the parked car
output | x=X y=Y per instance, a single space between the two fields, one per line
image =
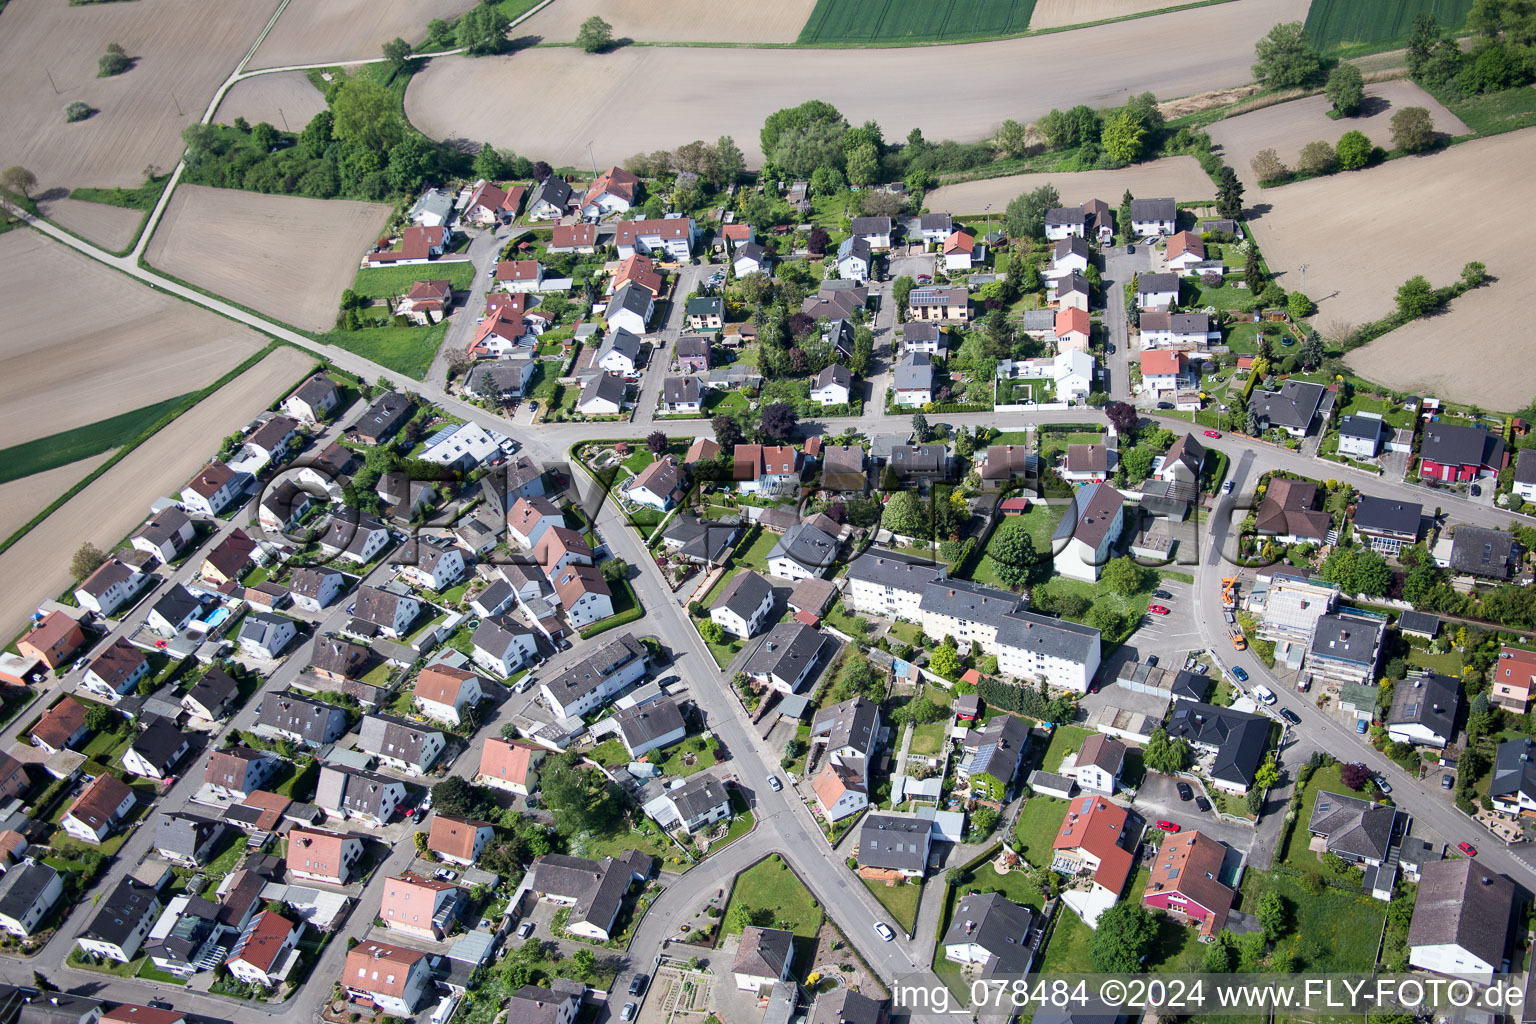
x=1240 y=673
x=1264 y=693
x=1152 y=661
x=1290 y=716
x=1467 y=848
x=1446 y=782
x=1204 y=804
x=1185 y=793
x=1476 y=491
x=637 y=984
x=884 y=931
x=1162 y=594
x=1130 y=249
x=1168 y=826
x=1226 y=487
x=1165 y=405
x=1361 y=726
x=629 y=1011
x=1213 y=433
x=1202 y=668
x=525 y=929
x=1382 y=784
x=774 y=783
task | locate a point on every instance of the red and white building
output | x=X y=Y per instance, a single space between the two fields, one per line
x=1186 y=882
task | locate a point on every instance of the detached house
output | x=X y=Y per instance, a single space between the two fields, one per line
x=805 y=550
x=157 y=749
x=424 y=907
x=301 y=719
x=351 y=793
x=1157 y=291
x=321 y=856
x=311 y=401
x=613 y=191
x=993 y=933
x=1185 y=882
x=766 y=470
x=653 y=725
x=116 y=670
x=1514 y=674
x=386 y=611
x=99 y=809
x=1065 y=222
x=165 y=536
x=446 y=693
x=788 y=656
x=848 y=734
x=1456 y=453
x=393 y=978
x=893 y=847
x=502 y=645
x=926 y=304
x=1462 y=920
x=240 y=771
x=511 y=765
x=213 y=489
x=1185 y=253
x=993 y=754
x=1291 y=409
x=1154 y=216
x=1239 y=741
x=682 y=396
x=603 y=395
x=186 y=839
x=1084 y=539
x=549 y=199
x=458 y=840
x=594 y=890
x=659 y=485
x=672 y=237
x=1095 y=839
x=912 y=382
x=854 y=259
x=1177 y=330
x=743 y=605
x=706 y=313
x=1423 y=710
x=28 y=891
x=400 y=743
x=583 y=593
x=266 y=951
x=874 y=231
x=832 y=386
x=122 y=921
x=764 y=958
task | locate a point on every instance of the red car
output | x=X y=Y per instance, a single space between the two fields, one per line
x=1158 y=609
x=1167 y=826
x=1212 y=433
x=1467 y=848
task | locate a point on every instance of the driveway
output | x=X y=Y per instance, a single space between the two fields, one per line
x=1158 y=800
x=1168 y=635
x=1118 y=268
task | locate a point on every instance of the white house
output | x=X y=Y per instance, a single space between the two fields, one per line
x=1177 y=330
x=1154 y=216
x=445 y=693
x=436 y=567
x=583 y=594
x=1099 y=764
x=960 y=251
x=501 y=646
x=1070 y=372
x=673 y=237
x=266 y=636
x=749 y=258
x=1461 y=920
x=1086 y=535
x=98 y=809
x=1361 y=435
x=854 y=259
x=744 y=604
x=658 y=486
x=529 y=518
x=433 y=210
x=28 y=891
x=620 y=352
x=1071 y=256
x=461 y=446
x=604 y=395
x=166 y=535
x=1164 y=369
x=311 y=400
x=613 y=191
x=764 y=957
x=401 y=743
x=630 y=307
x=832 y=385
x=212 y=490
x=314 y=589
x=1065 y=222
x=650 y=726
x=1157 y=291
x=122 y=921
x=1183 y=462
x=109 y=587
x=989 y=930
x=912 y=379
x=596 y=679
x=266 y=951
x=873 y=231
x=1525 y=474
x=394 y=978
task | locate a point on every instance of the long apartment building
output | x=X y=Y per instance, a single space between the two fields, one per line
x=1026 y=645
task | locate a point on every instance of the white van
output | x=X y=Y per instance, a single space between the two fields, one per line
x=445 y=1009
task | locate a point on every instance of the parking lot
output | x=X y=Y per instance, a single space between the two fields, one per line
x=1158 y=800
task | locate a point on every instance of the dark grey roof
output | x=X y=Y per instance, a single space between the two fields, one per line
x=21 y=886
x=1061 y=216
x=919 y=459
x=1094 y=511
x=165 y=525
x=291 y=712
x=1451 y=444
x=1415 y=852
x=834 y=373
x=650 y=721
x=1346 y=637
x=704 y=539
x=553 y=190
x=1481 y=552
x=807 y=545
x=973 y=602
x=58 y=1008
x=1239 y=739
x=750 y=251
x=849 y=724
x=122 y=912
x=496 y=595
x=889 y=569
x=897 y=842
x=264 y=629
x=681 y=389
x=1294 y=405
x=344 y=788
x=845 y=1006
x=1514 y=769
x=588 y=674
x=1149 y=283
x=871 y=225
x=1367 y=427
x=177 y=604
x=632 y=297
x=1352 y=826
x=394 y=737
x=786 y=650
x=1463 y=903
x=998 y=925
x=698 y=796
x=598 y=887
x=496 y=634
x=855 y=246
x=1429 y=700
x=914 y=371
x=1179 y=323
x=185 y=834
x=922 y=330
x=1072 y=245
x=745 y=594
x=384 y=416
x=1419 y=622
x=997 y=748
x=1387 y=515
x=1525 y=466
x=377 y=605
x=1153 y=209
x=159 y=743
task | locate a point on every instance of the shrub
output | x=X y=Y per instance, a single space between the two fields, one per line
x=77 y=111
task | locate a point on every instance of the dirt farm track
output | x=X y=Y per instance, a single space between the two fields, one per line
x=702 y=93
x=182 y=50
x=286 y=256
x=117 y=501
x=1364 y=233
x=64 y=363
x=314 y=31
x=676 y=21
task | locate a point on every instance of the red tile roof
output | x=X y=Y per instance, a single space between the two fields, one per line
x=1094 y=825
x=1071 y=319
x=507 y=759
x=379 y=967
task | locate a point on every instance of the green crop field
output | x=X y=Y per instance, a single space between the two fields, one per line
x=82 y=442
x=855 y=22
x=386 y=282
x=1362 y=27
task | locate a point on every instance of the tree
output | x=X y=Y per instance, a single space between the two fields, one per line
x=489 y=163
x=779 y=420
x=1013 y=556
x=1267 y=167
x=1025 y=215
x=541 y=171
x=1413 y=130
x=583 y=962
x=614 y=569
x=788 y=118
x=656 y=441
x=1165 y=755
x=1345 y=89
x=729 y=161
x=1229 y=193
x=114 y=62
x=1357 y=571
x=1474 y=274
x=365 y=114
x=397 y=53
x=1220 y=956
x=77 y=110
x=1354 y=151
x=1122 y=416
x=905 y=514
x=801 y=150
x=1415 y=297
x=711 y=631
x=1122 y=576
x=863 y=351
x=1285 y=59
x=946 y=662
x=901 y=291
x=581 y=800
x=98 y=718
x=18 y=179
x=920 y=429
x=1354 y=775
x=420 y=839
x=1125 y=931
x=1317 y=157
x=455 y=796
x=1426 y=32
x=1012 y=139
x=728 y=432
x=863 y=165
x=1299 y=305
x=1106 y=619
x=1125 y=138
x=86 y=560
x=482 y=30
x=1253 y=274
x=595 y=35
x=1270 y=910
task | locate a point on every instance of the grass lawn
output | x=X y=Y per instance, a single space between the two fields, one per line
x=770 y=887
x=1040 y=522
x=1337 y=929
x=406 y=350
x=742 y=821
x=1067 y=950
x=106 y=746
x=1066 y=739
x=227 y=859
x=1497 y=112
x=753 y=551
x=142 y=198
x=609 y=753
x=152 y=973
x=647 y=839
x=900 y=900
x=1393 y=413
x=928 y=738
x=702 y=752
x=1132 y=607
x=1036 y=829
x=92 y=439
x=1297 y=855
x=721 y=652
x=1015 y=885
x=388 y=282
x=1448 y=664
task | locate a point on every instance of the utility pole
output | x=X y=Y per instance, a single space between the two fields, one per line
x=174 y=100
x=1303 y=269
x=594 y=158
x=284 y=117
x=51 y=81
